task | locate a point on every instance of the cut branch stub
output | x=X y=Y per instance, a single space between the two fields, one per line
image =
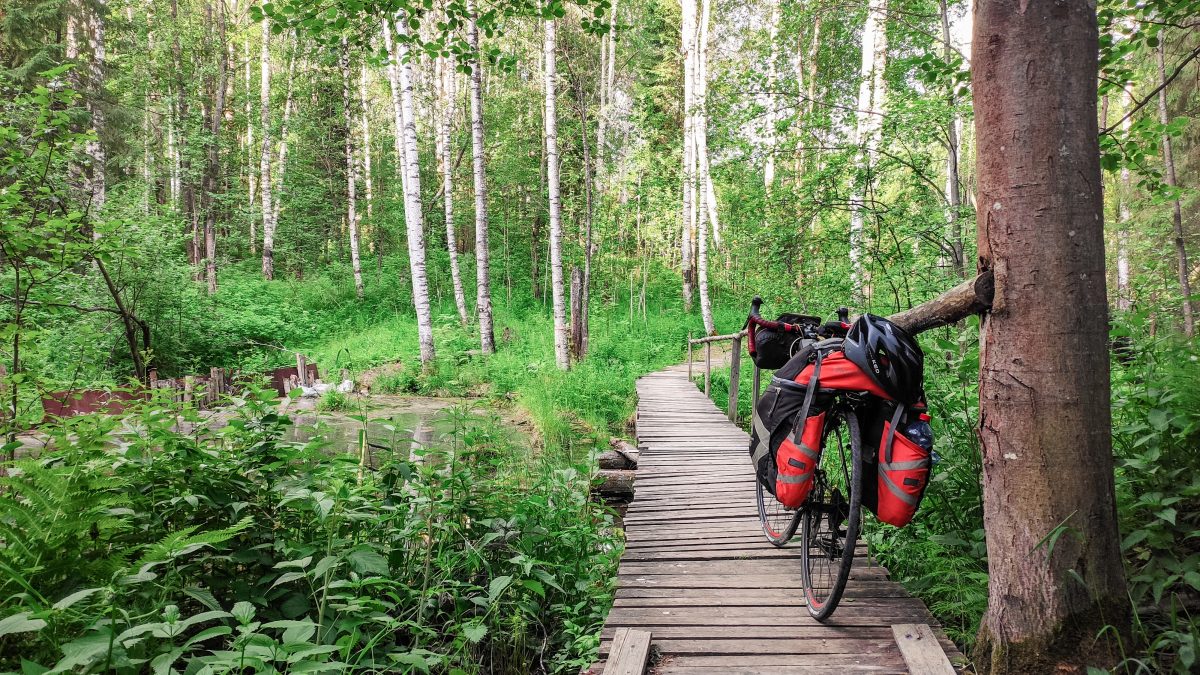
x=973 y=296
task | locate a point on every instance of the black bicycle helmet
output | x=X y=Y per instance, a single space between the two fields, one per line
x=888 y=355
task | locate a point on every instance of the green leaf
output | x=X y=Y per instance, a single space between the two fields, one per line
x=285 y=578
x=244 y=612
x=20 y=623
x=368 y=562
x=475 y=632
x=74 y=598
x=497 y=587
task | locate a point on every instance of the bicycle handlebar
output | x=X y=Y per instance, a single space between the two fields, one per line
x=754 y=320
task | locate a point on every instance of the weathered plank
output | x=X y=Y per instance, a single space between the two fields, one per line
x=921 y=650
x=629 y=652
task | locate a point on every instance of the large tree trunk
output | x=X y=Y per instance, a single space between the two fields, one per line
x=871 y=93
x=413 y=216
x=1044 y=370
x=772 y=110
x=483 y=288
x=447 y=92
x=251 y=150
x=351 y=171
x=264 y=158
x=85 y=24
x=212 y=169
x=561 y=355
x=953 y=194
x=1185 y=285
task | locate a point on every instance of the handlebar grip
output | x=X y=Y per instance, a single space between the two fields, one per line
x=843 y=314
x=754 y=305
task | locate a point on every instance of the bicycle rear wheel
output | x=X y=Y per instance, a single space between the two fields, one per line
x=832 y=517
x=778 y=522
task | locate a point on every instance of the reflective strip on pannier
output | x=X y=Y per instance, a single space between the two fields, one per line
x=796 y=463
x=903 y=475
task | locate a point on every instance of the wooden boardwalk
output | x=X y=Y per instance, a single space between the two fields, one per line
x=698 y=573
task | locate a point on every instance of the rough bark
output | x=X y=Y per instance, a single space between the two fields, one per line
x=561 y=354
x=1045 y=421
x=413 y=216
x=1181 y=255
x=351 y=171
x=447 y=93
x=483 y=288
x=264 y=157
x=576 y=313
x=85 y=47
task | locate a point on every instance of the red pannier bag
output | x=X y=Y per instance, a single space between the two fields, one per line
x=797 y=464
x=903 y=474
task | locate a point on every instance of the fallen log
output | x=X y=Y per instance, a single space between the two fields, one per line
x=614 y=484
x=621 y=455
x=973 y=296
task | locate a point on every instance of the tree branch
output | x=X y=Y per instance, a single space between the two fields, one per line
x=973 y=296
x=1150 y=97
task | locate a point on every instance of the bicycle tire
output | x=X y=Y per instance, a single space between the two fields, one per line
x=778 y=522
x=826 y=555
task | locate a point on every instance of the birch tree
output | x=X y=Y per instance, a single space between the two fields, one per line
x=690 y=202
x=264 y=158
x=366 y=144
x=953 y=194
x=351 y=171
x=85 y=47
x=446 y=93
x=1124 y=193
x=561 y=354
x=708 y=216
x=413 y=217
x=1181 y=255
x=868 y=128
x=772 y=109
x=212 y=168
x=289 y=100
x=483 y=288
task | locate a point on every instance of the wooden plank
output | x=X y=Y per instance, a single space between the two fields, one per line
x=921 y=651
x=629 y=652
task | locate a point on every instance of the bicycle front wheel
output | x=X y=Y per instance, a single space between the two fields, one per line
x=832 y=517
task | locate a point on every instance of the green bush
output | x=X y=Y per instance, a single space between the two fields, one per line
x=233 y=550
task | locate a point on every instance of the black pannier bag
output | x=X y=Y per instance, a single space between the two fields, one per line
x=773 y=348
x=785 y=440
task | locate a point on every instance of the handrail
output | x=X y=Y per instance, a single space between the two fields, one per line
x=735 y=367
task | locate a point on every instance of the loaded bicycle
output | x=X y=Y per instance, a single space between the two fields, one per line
x=842 y=425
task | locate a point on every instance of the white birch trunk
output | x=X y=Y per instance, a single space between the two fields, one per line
x=351 y=171
x=281 y=161
x=251 y=149
x=264 y=160
x=953 y=194
x=869 y=112
x=690 y=198
x=173 y=151
x=397 y=109
x=413 y=217
x=772 y=108
x=366 y=144
x=483 y=289
x=1185 y=284
x=1124 y=295
x=448 y=90
x=700 y=133
x=561 y=355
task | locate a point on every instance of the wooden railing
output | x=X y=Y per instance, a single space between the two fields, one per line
x=735 y=367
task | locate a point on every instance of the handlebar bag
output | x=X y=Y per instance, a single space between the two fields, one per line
x=773 y=348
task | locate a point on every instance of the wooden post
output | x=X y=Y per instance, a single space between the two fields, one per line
x=735 y=373
x=214 y=386
x=301 y=370
x=707 y=367
x=689 y=356
x=153 y=377
x=756 y=390
x=189 y=383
